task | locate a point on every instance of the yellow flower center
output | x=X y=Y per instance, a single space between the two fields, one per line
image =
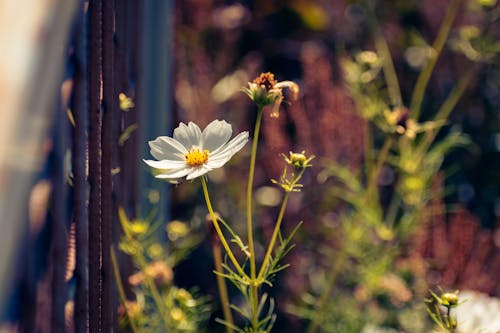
x=195 y=157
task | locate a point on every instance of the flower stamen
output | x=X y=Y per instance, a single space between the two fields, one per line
x=195 y=157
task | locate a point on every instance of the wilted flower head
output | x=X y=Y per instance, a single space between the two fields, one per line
x=192 y=153
x=266 y=90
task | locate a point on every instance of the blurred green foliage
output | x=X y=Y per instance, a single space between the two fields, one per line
x=158 y=304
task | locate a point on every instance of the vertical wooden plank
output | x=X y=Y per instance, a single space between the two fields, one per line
x=108 y=144
x=95 y=154
x=79 y=165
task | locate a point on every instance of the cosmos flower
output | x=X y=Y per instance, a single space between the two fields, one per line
x=192 y=153
x=265 y=90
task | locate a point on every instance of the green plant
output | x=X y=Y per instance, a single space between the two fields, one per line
x=372 y=233
x=159 y=305
x=191 y=153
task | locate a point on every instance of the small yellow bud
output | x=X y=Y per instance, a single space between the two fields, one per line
x=177 y=315
x=176 y=230
x=126 y=103
x=452 y=322
x=449 y=299
x=138 y=227
x=298 y=159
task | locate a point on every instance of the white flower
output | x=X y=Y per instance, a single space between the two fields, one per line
x=192 y=153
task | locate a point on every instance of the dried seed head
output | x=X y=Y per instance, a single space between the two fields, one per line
x=266 y=79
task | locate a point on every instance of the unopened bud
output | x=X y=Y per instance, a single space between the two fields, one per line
x=298 y=159
x=449 y=299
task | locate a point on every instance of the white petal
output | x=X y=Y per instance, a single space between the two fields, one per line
x=235 y=144
x=227 y=151
x=219 y=161
x=215 y=135
x=197 y=172
x=188 y=135
x=175 y=174
x=166 y=148
x=165 y=164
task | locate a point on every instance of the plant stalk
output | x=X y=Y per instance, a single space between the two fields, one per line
x=121 y=291
x=276 y=231
x=219 y=231
x=437 y=46
x=387 y=63
x=221 y=285
x=251 y=247
x=448 y=106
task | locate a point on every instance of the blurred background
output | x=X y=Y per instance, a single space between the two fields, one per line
x=85 y=85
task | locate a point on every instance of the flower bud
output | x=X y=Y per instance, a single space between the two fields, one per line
x=449 y=299
x=298 y=159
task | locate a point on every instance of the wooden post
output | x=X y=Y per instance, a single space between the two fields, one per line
x=95 y=162
x=109 y=143
x=79 y=165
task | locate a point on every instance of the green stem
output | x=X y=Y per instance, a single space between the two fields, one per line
x=250 y=191
x=276 y=231
x=437 y=46
x=387 y=64
x=221 y=285
x=121 y=291
x=219 y=231
x=448 y=106
x=368 y=146
x=382 y=158
x=251 y=246
x=454 y=96
x=389 y=70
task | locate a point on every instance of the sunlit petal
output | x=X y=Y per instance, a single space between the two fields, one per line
x=216 y=134
x=165 y=164
x=188 y=135
x=200 y=171
x=167 y=148
x=175 y=174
